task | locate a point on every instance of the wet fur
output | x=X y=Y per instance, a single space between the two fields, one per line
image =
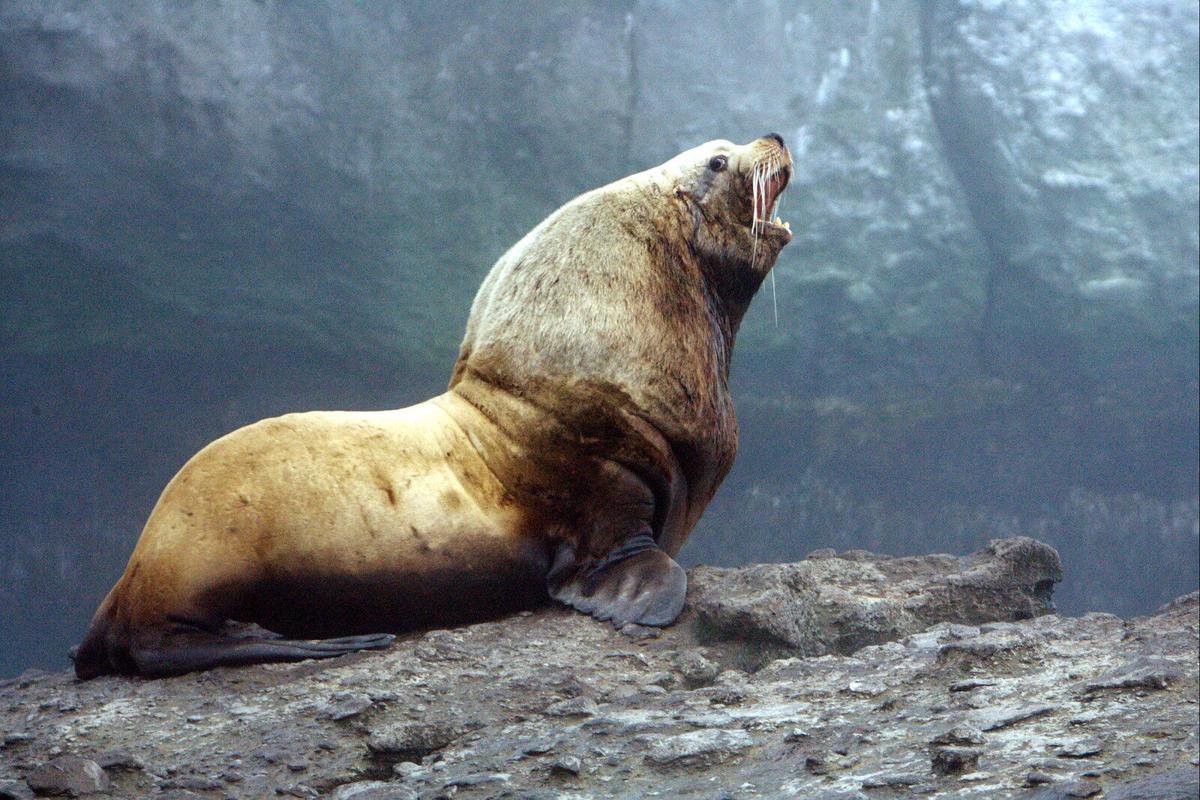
x=589 y=404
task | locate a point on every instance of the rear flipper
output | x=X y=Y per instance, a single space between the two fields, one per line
x=637 y=582
x=188 y=651
x=185 y=647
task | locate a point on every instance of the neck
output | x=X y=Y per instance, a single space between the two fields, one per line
x=730 y=286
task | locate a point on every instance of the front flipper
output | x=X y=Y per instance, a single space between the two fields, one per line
x=637 y=582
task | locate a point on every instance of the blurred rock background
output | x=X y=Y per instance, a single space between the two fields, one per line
x=211 y=213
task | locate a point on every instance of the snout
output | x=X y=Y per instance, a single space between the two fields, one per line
x=773 y=143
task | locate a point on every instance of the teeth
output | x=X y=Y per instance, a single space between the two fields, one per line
x=778 y=221
x=787 y=225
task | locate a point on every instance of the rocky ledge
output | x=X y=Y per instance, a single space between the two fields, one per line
x=841 y=676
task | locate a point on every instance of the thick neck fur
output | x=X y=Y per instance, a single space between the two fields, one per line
x=640 y=285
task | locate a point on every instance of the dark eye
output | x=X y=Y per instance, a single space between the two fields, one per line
x=718 y=163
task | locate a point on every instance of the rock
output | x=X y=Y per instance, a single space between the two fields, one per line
x=696 y=669
x=1177 y=784
x=568 y=765
x=823 y=763
x=538 y=747
x=1016 y=176
x=197 y=783
x=572 y=707
x=996 y=718
x=699 y=747
x=344 y=705
x=1080 y=748
x=467 y=716
x=373 y=790
x=959 y=735
x=1143 y=673
x=947 y=760
x=417 y=739
x=120 y=759
x=15 y=790
x=899 y=780
x=1185 y=602
x=69 y=775
x=479 y=779
x=803 y=608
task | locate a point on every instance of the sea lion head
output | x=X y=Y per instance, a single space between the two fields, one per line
x=619 y=281
x=729 y=194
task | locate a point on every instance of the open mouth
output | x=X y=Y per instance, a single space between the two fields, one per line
x=767 y=183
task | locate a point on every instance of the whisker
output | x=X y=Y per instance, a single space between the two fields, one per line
x=774 y=299
x=769 y=170
x=755 y=184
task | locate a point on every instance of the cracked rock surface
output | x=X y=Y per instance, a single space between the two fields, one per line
x=853 y=675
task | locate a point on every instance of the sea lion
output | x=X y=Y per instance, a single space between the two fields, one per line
x=587 y=424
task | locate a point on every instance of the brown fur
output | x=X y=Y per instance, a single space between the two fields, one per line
x=589 y=401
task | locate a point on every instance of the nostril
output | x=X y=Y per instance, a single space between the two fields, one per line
x=776 y=137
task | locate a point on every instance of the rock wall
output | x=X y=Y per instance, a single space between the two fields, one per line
x=211 y=213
